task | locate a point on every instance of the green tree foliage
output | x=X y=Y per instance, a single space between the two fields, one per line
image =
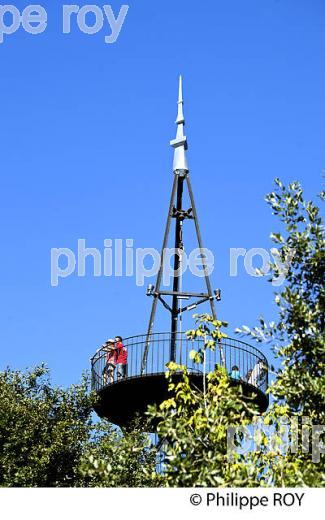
x=298 y=334
x=42 y=429
x=193 y=429
x=114 y=459
x=48 y=438
x=193 y=424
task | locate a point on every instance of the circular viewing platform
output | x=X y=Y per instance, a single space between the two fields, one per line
x=123 y=396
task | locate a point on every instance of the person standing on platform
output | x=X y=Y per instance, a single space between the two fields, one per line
x=111 y=357
x=235 y=373
x=121 y=358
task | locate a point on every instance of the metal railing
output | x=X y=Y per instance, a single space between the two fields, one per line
x=252 y=364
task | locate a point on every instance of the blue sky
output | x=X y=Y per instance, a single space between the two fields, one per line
x=84 y=137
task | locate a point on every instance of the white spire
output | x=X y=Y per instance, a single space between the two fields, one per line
x=180 y=143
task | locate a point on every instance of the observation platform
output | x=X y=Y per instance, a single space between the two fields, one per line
x=121 y=399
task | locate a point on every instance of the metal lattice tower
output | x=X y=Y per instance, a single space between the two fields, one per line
x=177 y=213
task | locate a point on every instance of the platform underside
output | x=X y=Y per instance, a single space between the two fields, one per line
x=122 y=401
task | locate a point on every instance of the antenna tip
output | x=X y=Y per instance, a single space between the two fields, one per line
x=180 y=97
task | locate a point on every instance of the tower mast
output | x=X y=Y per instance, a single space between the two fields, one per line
x=180 y=168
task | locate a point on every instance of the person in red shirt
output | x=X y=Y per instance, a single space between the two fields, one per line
x=121 y=358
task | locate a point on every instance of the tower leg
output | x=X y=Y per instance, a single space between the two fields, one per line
x=160 y=274
x=205 y=269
